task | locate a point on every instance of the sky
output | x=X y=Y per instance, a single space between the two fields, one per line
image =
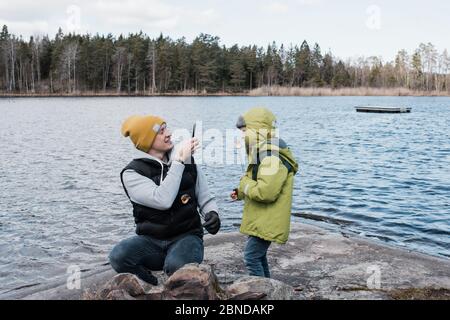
x=348 y=28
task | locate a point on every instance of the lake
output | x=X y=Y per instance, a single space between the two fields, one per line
x=382 y=176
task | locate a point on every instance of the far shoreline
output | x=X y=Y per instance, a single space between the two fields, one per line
x=274 y=91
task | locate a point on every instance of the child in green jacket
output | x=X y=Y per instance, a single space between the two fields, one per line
x=266 y=188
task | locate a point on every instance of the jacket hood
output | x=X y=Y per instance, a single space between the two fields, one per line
x=259 y=124
x=279 y=146
x=258 y=118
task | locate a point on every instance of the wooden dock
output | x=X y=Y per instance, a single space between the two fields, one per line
x=376 y=109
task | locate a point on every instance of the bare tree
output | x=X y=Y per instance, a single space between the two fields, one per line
x=119 y=58
x=401 y=68
x=429 y=61
x=12 y=59
x=68 y=65
x=151 y=56
x=444 y=61
x=106 y=65
x=364 y=70
x=36 y=50
x=129 y=61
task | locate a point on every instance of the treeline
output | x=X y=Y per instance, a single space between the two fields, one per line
x=137 y=64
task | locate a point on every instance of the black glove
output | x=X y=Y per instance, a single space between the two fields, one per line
x=212 y=222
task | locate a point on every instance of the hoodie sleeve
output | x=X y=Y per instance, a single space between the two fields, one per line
x=206 y=202
x=144 y=191
x=271 y=177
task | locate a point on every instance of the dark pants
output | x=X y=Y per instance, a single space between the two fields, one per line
x=140 y=254
x=255 y=256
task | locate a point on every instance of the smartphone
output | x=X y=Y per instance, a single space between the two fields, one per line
x=193 y=136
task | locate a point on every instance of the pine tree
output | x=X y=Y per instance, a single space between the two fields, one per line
x=316 y=65
x=341 y=76
x=303 y=64
x=416 y=64
x=250 y=64
x=237 y=69
x=327 y=69
x=4 y=58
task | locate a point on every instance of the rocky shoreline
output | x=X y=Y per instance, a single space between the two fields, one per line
x=191 y=282
x=315 y=264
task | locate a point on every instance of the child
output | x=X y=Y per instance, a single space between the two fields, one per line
x=266 y=188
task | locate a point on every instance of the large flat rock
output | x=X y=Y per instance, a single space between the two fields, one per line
x=319 y=263
x=330 y=265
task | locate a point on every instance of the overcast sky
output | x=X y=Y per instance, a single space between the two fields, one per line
x=347 y=27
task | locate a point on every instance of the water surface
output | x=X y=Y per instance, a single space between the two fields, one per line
x=384 y=176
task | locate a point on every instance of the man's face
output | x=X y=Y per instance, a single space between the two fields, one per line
x=163 y=142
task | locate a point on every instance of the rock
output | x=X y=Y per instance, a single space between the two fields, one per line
x=119 y=295
x=251 y=288
x=193 y=282
x=124 y=284
x=154 y=293
x=248 y=296
x=420 y=294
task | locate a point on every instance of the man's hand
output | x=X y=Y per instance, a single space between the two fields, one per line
x=212 y=222
x=187 y=149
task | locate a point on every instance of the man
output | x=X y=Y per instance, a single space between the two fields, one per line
x=266 y=189
x=166 y=190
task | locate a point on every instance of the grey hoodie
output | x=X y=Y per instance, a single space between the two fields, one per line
x=144 y=191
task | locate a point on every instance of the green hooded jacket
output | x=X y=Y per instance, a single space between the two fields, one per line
x=268 y=196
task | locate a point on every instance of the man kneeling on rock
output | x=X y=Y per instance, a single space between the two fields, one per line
x=166 y=190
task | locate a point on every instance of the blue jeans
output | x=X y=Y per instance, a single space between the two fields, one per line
x=255 y=256
x=141 y=254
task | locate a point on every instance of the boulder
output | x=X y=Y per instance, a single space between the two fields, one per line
x=121 y=286
x=193 y=282
x=119 y=295
x=153 y=293
x=256 y=288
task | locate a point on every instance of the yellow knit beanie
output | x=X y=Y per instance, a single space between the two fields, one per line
x=142 y=130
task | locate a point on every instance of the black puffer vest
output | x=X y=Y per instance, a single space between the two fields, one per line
x=179 y=219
